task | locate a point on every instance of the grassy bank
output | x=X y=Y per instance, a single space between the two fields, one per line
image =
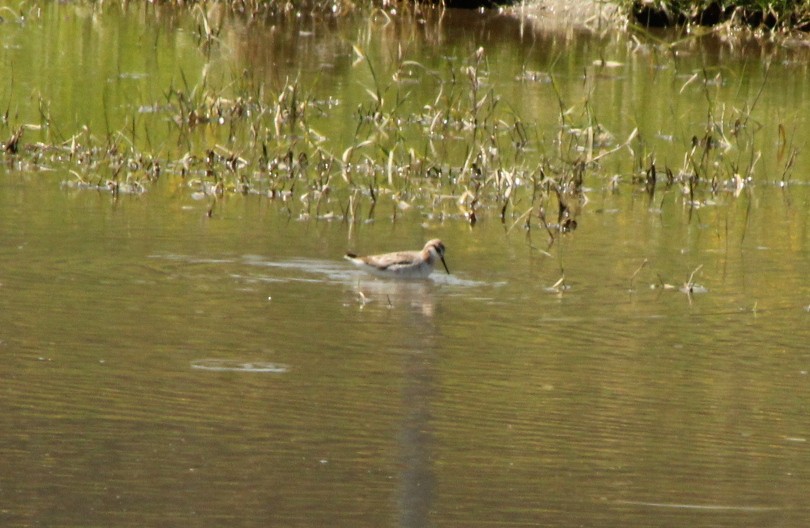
x=774 y=15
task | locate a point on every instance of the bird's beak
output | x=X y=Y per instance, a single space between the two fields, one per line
x=445 y=264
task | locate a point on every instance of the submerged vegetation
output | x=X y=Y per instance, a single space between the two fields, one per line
x=468 y=153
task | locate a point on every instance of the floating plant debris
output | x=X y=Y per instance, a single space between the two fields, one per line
x=234 y=365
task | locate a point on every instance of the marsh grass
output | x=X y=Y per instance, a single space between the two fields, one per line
x=772 y=15
x=466 y=155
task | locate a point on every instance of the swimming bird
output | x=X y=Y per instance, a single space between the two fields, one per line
x=403 y=264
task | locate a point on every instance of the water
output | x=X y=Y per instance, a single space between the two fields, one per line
x=164 y=366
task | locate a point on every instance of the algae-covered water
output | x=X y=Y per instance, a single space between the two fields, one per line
x=186 y=346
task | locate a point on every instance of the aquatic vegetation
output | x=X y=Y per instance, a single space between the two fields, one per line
x=460 y=151
x=774 y=15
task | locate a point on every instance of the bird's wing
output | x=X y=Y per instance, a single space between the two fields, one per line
x=392 y=260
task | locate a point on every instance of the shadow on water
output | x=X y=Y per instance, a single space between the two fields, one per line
x=416 y=436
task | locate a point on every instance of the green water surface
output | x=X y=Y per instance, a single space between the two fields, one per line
x=171 y=359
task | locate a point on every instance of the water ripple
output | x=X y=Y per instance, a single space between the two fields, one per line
x=235 y=365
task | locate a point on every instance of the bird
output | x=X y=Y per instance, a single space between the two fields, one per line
x=402 y=264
